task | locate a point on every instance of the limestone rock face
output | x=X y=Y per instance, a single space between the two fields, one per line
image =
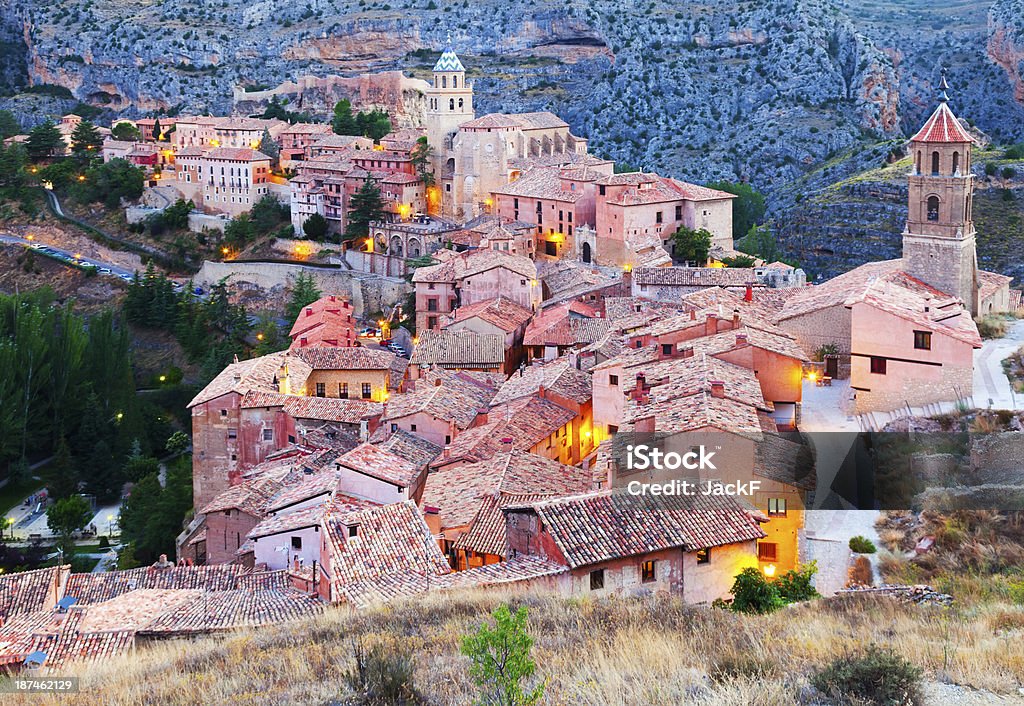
x=762 y=91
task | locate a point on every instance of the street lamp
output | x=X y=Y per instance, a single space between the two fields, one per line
x=110 y=526
x=10 y=523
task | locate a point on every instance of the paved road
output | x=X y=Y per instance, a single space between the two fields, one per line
x=69 y=256
x=991 y=386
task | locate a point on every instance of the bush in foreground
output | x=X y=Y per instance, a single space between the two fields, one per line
x=862 y=545
x=381 y=677
x=501 y=659
x=876 y=676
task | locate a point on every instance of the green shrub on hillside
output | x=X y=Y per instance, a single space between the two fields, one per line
x=876 y=676
x=862 y=545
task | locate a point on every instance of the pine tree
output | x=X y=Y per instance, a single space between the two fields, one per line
x=421 y=155
x=45 y=141
x=315 y=227
x=365 y=206
x=269 y=147
x=86 y=141
x=344 y=123
x=9 y=126
x=158 y=132
x=61 y=477
x=304 y=293
x=125 y=132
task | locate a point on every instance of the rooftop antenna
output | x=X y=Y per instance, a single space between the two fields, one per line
x=943 y=88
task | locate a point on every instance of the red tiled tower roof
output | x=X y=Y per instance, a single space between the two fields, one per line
x=942 y=126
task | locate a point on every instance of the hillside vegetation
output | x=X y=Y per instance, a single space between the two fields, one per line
x=636 y=651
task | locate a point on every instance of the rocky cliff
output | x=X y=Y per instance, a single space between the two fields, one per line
x=788 y=94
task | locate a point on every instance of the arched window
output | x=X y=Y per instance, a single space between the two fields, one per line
x=435 y=81
x=956 y=163
x=451 y=104
x=933 y=208
x=455 y=81
x=444 y=82
x=460 y=103
x=917 y=164
x=935 y=163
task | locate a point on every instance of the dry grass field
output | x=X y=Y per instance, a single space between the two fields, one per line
x=634 y=651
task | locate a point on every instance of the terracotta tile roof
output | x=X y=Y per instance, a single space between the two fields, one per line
x=902 y=296
x=135 y=609
x=457 y=490
x=459 y=266
x=288 y=521
x=374 y=461
x=567 y=279
x=309 y=487
x=251 y=496
x=459 y=349
x=351 y=358
x=443 y=395
x=626 y=313
x=696 y=411
x=540 y=183
x=237 y=154
x=29 y=591
x=695 y=276
x=556 y=327
x=390 y=539
x=773 y=339
x=225 y=610
x=541 y=120
x=678 y=377
x=526 y=422
x=332 y=409
x=96 y=588
x=603 y=526
x=365 y=594
x=241 y=377
x=502 y=313
x=942 y=126
x=558 y=376
x=324 y=309
x=991 y=282
x=836 y=291
x=487 y=531
x=66 y=643
x=414 y=449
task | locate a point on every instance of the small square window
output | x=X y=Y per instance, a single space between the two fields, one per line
x=296 y=542
x=877 y=366
x=647 y=571
x=232 y=433
x=597 y=580
x=268 y=434
x=776 y=507
x=613 y=380
x=703 y=555
x=923 y=340
x=223 y=413
x=412 y=427
x=353 y=530
x=767 y=551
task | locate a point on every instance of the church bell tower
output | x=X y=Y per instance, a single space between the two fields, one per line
x=939 y=239
x=449 y=104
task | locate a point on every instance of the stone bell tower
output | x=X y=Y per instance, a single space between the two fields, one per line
x=449 y=104
x=939 y=239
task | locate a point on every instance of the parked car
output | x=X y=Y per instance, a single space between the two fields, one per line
x=104 y=270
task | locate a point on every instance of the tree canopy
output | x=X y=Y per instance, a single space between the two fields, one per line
x=692 y=245
x=374 y=124
x=365 y=206
x=126 y=132
x=315 y=227
x=748 y=207
x=86 y=141
x=304 y=292
x=45 y=141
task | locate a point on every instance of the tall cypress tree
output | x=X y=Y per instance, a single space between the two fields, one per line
x=365 y=206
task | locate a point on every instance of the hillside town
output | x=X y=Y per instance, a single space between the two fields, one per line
x=477 y=440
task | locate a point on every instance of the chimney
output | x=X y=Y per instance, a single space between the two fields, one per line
x=437 y=382
x=748 y=295
x=693 y=314
x=332 y=298
x=686 y=352
x=541 y=391
x=638 y=391
x=309 y=311
x=481 y=416
x=644 y=425
x=432 y=516
x=711 y=325
x=717 y=388
x=741 y=339
x=735 y=318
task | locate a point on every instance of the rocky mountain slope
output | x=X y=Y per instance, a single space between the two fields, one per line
x=754 y=90
x=796 y=96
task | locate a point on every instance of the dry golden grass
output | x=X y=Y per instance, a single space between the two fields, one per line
x=632 y=651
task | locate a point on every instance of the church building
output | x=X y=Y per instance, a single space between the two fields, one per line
x=904 y=329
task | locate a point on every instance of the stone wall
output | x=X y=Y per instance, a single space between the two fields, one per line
x=368 y=293
x=914 y=391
